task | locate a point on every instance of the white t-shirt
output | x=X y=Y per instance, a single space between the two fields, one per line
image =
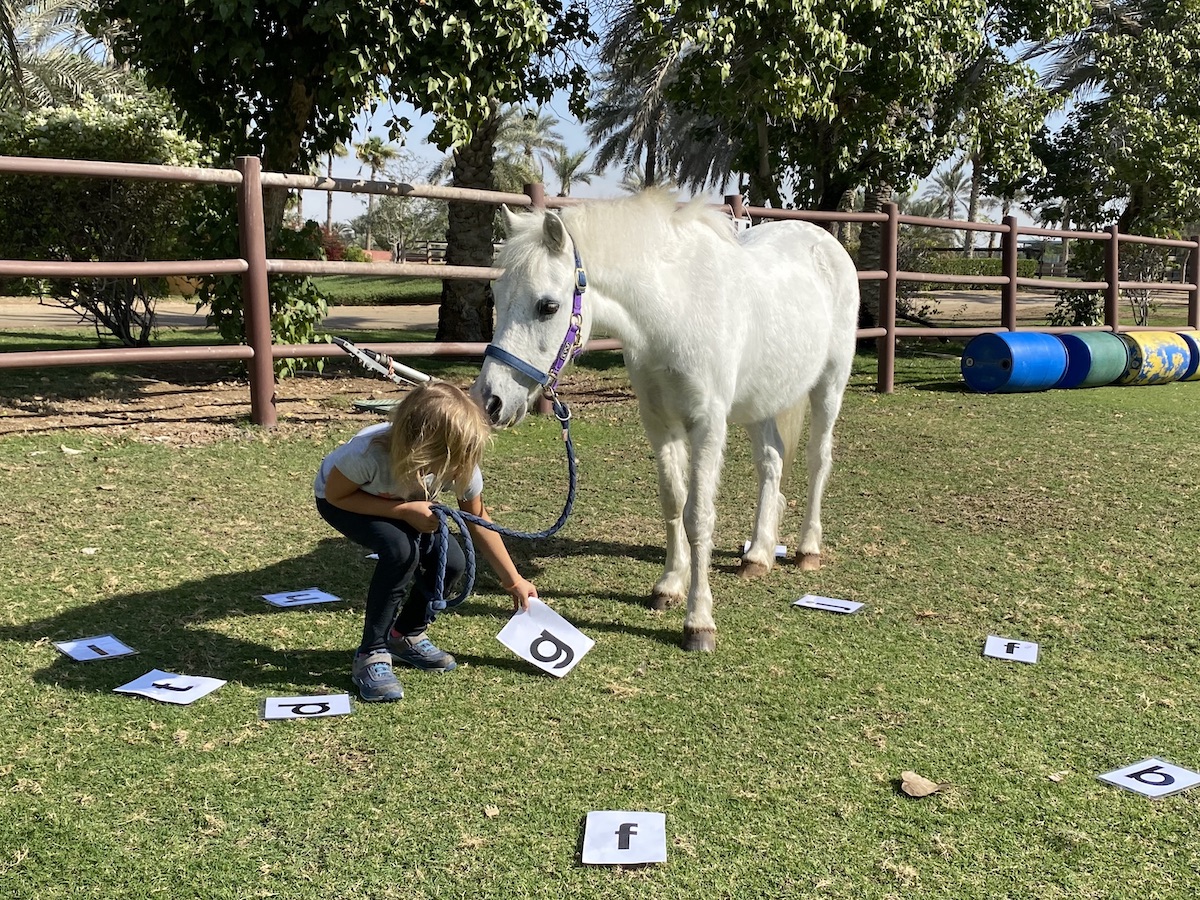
x=364 y=460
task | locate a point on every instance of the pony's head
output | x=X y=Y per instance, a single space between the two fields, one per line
x=537 y=326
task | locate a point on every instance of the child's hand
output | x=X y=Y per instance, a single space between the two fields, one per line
x=418 y=514
x=521 y=590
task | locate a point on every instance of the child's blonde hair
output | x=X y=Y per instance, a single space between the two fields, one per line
x=439 y=431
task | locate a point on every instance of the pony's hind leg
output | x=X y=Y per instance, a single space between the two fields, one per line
x=826 y=403
x=768 y=451
x=670 y=451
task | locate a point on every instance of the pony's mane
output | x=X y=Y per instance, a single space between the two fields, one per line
x=653 y=218
x=651 y=214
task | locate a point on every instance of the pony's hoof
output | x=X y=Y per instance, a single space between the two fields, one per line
x=810 y=562
x=752 y=569
x=660 y=600
x=704 y=641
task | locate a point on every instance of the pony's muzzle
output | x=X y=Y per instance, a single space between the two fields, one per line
x=499 y=413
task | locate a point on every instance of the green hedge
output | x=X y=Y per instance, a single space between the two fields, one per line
x=978 y=266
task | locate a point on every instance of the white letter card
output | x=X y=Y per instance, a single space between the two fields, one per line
x=300 y=598
x=1007 y=648
x=1152 y=778
x=812 y=601
x=103 y=646
x=169 y=688
x=780 y=550
x=306 y=707
x=620 y=838
x=541 y=636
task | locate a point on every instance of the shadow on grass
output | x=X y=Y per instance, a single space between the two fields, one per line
x=168 y=628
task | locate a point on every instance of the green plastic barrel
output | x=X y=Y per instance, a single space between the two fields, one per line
x=1093 y=358
x=1154 y=357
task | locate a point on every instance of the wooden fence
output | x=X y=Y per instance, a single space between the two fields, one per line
x=255 y=268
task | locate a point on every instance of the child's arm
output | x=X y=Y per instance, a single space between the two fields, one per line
x=491 y=545
x=345 y=494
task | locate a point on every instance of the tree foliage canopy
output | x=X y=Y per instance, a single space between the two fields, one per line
x=827 y=96
x=284 y=79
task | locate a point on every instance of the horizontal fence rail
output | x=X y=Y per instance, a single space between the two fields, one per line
x=255 y=268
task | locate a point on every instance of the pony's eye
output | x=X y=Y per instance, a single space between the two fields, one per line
x=547 y=307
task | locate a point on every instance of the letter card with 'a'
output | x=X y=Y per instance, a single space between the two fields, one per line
x=541 y=636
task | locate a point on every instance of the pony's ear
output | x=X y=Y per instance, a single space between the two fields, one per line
x=554 y=233
x=508 y=219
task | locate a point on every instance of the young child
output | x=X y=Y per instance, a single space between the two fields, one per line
x=376 y=489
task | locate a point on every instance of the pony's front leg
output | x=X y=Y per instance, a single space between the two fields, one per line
x=768 y=451
x=699 y=517
x=671 y=456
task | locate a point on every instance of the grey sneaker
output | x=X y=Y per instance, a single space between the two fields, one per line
x=420 y=652
x=374 y=678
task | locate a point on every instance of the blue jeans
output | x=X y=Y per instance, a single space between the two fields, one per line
x=404 y=580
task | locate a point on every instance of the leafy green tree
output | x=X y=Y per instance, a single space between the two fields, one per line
x=84 y=219
x=1130 y=149
x=822 y=98
x=284 y=80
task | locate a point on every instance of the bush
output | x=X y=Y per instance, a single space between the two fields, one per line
x=81 y=219
x=972 y=267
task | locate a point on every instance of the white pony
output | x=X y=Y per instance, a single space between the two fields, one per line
x=716 y=328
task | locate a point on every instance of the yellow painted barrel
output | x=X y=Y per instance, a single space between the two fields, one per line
x=1154 y=357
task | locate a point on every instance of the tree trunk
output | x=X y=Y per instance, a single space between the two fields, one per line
x=281 y=153
x=870 y=243
x=762 y=180
x=972 y=208
x=467 y=306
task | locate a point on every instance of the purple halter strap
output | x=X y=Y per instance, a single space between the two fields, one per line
x=571 y=347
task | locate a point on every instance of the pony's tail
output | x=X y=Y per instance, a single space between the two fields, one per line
x=790 y=424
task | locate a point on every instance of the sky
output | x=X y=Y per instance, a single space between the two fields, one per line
x=349 y=206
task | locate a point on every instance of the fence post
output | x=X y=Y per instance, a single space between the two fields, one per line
x=1008 y=265
x=889 y=240
x=256 y=304
x=1112 y=275
x=1192 y=277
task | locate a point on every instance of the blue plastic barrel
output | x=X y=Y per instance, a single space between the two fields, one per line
x=1013 y=361
x=1192 y=339
x=1155 y=357
x=1093 y=358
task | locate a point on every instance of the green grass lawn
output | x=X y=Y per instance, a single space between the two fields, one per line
x=355 y=290
x=1069 y=518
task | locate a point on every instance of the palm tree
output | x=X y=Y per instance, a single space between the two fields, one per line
x=529 y=136
x=568 y=168
x=376 y=154
x=47 y=58
x=1069 y=63
x=950 y=187
x=635 y=124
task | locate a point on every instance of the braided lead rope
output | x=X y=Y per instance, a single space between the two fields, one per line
x=444 y=513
